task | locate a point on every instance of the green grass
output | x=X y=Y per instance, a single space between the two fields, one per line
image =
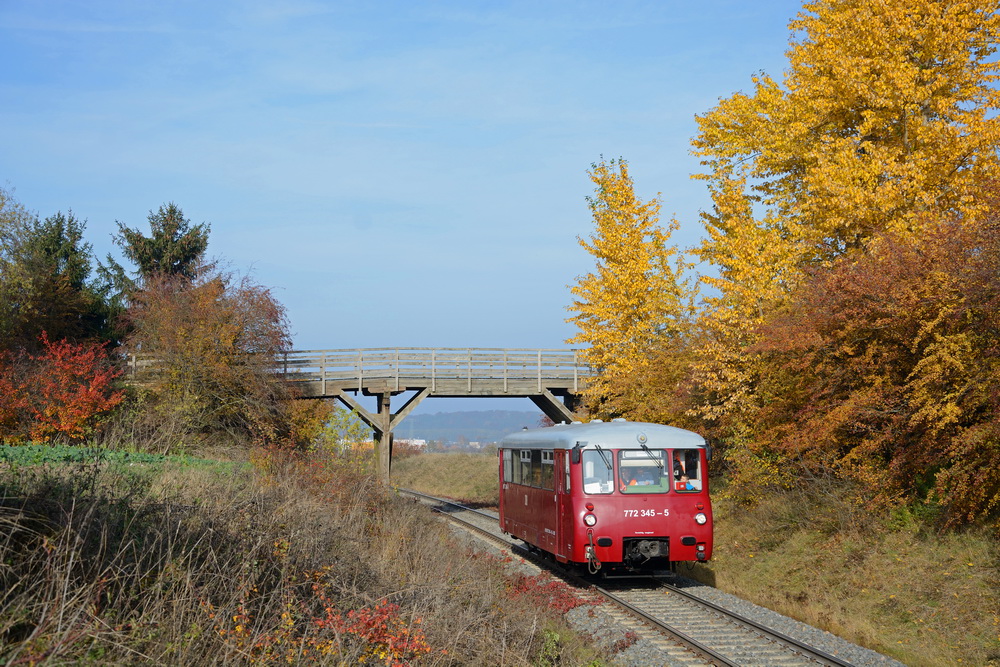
x=35 y=454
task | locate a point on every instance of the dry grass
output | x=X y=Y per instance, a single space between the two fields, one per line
x=470 y=478
x=894 y=585
x=309 y=561
x=923 y=597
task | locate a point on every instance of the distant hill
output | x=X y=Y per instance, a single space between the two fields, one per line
x=451 y=427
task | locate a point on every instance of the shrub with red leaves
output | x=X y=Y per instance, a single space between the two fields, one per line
x=60 y=394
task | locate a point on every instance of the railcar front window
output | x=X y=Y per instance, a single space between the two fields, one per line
x=598 y=472
x=643 y=471
x=687 y=472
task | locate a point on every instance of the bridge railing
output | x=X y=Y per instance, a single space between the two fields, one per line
x=400 y=366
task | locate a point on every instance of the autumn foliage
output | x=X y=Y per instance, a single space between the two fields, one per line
x=635 y=299
x=875 y=129
x=210 y=346
x=848 y=328
x=882 y=367
x=62 y=393
x=313 y=630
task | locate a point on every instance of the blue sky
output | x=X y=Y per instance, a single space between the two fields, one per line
x=401 y=173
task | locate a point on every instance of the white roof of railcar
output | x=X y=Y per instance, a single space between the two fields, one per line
x=616 y=434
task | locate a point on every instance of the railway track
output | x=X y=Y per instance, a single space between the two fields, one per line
x=683 y=627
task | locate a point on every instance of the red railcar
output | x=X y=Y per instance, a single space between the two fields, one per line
x=619 y=497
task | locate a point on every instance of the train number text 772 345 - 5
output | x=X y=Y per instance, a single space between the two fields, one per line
x=646 y=513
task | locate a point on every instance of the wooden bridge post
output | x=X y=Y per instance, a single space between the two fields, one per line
x=383 y=436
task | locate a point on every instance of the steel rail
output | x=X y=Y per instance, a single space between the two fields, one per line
x=445 y=501
x=813 y=653
x=714 y=657
x=686 y=641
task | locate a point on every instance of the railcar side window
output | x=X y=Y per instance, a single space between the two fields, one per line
x=643 y=471
x=687 y=470
x=507 y=467
x=526 y=467
x=548 y=471
x=598 y=473
x=536 y=468
x=566 y=476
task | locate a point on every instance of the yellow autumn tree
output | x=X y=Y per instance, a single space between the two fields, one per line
x=885 y=119
x=634 y=301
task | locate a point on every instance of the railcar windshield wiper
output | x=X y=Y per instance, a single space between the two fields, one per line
x=656 y=459
x=604 y=455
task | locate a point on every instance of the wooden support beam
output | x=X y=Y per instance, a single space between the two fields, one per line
x=355 y=407
x=409 y=405
x=381 y=426
x=552 y=406
x=382 y=423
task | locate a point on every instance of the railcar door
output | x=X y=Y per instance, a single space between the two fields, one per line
x=564 y=504
x=503 y=475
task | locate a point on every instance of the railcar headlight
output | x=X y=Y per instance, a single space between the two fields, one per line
x=589 y=519
x=700 y=518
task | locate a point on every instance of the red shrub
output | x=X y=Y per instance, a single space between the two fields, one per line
x=59 y=394
x=544 y=590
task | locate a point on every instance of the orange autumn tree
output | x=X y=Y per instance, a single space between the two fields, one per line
x=882 y=369
x=213 y=340
x=885 y=122
x=635 y=301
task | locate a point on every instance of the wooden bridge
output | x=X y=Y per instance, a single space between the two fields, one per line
x=552 y=380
